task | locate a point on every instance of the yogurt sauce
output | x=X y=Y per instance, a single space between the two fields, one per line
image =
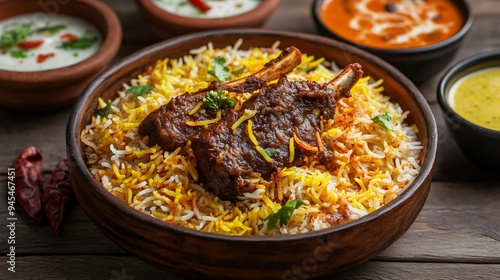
x=218 y=8
x=476 y=97
x=61 y=41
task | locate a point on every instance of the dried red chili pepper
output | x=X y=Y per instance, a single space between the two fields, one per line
x=29 y=182
x=57 y=194
x=200 y=5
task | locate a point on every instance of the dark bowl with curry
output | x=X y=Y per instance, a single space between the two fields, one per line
x=420 y=38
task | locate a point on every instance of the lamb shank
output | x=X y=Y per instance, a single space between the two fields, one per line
x=228 y=158
x=253 y=141
x=167 y=126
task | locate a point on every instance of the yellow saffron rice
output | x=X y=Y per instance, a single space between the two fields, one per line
x=372 y=165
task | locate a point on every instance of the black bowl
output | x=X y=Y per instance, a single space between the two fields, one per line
x=481 y=145
x=418 y=64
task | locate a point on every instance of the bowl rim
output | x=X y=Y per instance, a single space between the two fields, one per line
x=77 y=162
x=316 y=7
x=456 y=72
x=110 y=45
x=264 y=8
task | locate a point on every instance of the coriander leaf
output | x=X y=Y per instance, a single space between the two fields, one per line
x=284 y=214
x=104 y=112
x=17 y=34
x=140 y=90
x=19 y=53
x=217 y=100
x=270 y=151
x=219 y=70
x=384 y=121
x=52 y=29
x=238 y=72
x=80 y=43
x=306 y=68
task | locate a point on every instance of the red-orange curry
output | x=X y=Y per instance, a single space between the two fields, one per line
x=393 y=24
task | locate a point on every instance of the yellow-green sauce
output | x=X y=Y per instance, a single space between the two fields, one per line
x=476 y=97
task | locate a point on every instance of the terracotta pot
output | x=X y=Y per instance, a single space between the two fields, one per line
x=202 y=254
x=166 y=25
x=49 y=90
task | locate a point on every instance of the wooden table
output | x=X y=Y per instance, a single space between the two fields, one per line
x=457 y=234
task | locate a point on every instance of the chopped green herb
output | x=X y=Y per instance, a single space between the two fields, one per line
x=80 y=43
x=140 y=90
x=19 y=53
x=270 y=151
x=384 y=121
x=75 y=54
x=219 y=70
x=17 y=34
x=284 y=214
x=52 y=29
x=238 y=72
x=104 y=112
x=306 y=68
x=217 y=100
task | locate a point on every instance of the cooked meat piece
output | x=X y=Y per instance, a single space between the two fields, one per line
x=228 y=159
x=167 y=126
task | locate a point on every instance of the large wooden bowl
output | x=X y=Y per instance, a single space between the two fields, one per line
x=203 y=254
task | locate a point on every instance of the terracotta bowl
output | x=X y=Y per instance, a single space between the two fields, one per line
x=201 y=254
x=418 y=64
x=58 y=88
x=478 y=143
x=164 y=24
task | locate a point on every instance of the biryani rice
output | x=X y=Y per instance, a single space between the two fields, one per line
x=373 y=165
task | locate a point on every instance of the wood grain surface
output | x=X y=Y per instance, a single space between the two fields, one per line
x=456 y=236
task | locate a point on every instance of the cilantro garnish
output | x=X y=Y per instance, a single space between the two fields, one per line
x=284 y=214
x=238 y=72
x=140 y=90
x=270 y=151
x=217 y=100
x=104 y=112
x=219 y=70
x=384 y=121
x=80 y=43
x=17 y=34
x=19 y=53
x=52 y=29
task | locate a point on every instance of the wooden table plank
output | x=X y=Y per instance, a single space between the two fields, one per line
x=459 y=223
x=130 y=268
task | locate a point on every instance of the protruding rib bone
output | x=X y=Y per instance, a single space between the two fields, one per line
x=284 y=63
x=343 y=82
x=287 y=60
